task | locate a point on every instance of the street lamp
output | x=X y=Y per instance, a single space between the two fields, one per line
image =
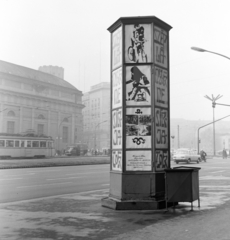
x=204 y=50
x=95 y=135
x=213 y=99
x=198 y=138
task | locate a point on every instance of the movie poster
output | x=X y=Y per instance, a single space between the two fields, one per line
x=138 y=161
x=138 y=44
x=138 y=127
x=138 y=85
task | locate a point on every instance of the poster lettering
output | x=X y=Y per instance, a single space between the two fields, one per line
x=161 y=87
x=162 y=159
x=117 y=160
x=117 y=129
x=117 y=48
x=161 y=47
x=138 y=161
x=161 y=123
x=117 y=88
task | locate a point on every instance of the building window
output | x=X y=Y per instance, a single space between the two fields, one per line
x=10 y=127
x=40 y=116
x=65 y=135
x=40 y=129
x=11 y=114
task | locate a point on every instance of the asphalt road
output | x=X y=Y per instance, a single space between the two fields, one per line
x=31 y=183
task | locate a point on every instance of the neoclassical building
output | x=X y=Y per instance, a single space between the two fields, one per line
x=96 y=116
x=39 y=102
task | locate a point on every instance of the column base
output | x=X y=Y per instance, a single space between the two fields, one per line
x=133 y=204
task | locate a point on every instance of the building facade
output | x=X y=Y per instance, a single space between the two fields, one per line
x=96 y=117
x=38 y=102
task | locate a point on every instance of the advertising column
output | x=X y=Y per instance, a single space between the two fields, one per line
x=139 y=113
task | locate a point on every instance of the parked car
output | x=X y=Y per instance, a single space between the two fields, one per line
x=186 y=155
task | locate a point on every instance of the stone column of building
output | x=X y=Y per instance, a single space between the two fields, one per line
x=49 y=116
x=20 y=119
x=73 y=128
x=33 y=115
x=1 y=116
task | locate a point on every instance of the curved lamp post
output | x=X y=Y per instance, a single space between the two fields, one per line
x=213 y=99
x=204 y=50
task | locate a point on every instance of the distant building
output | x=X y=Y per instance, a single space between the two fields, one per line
x=34 y=101
x=54 y=70
x=96 y=116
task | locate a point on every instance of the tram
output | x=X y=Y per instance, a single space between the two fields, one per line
x=28 y=146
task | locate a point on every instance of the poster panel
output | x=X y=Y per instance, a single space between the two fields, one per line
x=138 y=48
x=117 y=48
x=138 y=127
x=162 y=159
x=138 y=85
x=117 y=88
x=161 y=126
x=138 y=161
x=161 y=87
x=117 y=128
x=117 y=160
x=160 y=47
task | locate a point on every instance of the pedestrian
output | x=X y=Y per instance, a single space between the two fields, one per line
x=224 y=153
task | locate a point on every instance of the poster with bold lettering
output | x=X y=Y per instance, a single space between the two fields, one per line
x=138 y=161
x=161 y=127
x=138 y=127
x=160 y=47
x=117 y=160
x=117 y=48
x=138 y=44
x=138 y=85
x=162 y=159
x=117 y=88
x=161 y=87
x=117 y=129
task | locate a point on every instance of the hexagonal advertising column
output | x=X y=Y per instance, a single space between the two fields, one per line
x=140 y=123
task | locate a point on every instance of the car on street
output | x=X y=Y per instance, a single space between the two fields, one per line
x=186 y=155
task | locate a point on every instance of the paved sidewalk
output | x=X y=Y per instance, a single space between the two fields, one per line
x=80 y=216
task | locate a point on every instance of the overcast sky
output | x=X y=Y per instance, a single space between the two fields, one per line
x=73 y=34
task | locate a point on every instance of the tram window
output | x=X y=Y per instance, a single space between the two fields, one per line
x=43 y=144
x=35 y=143
x=2 y=143
x=28 y=143
x=49 y=144
x=9 y=143
x=16 y=143
x=22 y=143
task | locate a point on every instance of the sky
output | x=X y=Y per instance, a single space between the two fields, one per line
x=73 y=34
